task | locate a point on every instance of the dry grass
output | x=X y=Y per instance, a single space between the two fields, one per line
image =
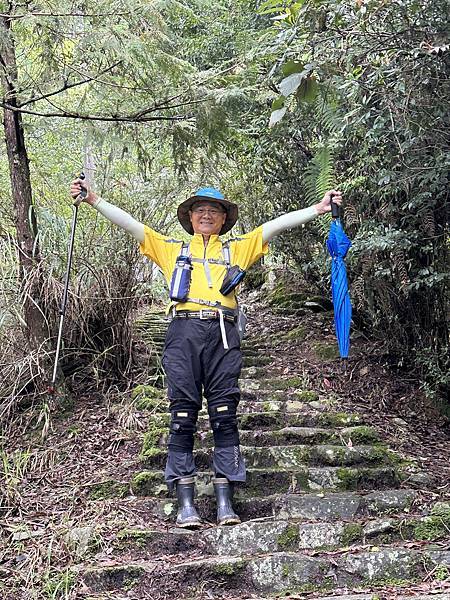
x=98 y=350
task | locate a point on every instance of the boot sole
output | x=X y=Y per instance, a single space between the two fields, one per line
x=229 y=521
x=191 y=525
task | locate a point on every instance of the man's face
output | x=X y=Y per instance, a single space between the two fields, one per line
x=207 y=218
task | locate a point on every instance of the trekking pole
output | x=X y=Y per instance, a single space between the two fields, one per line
x=62 y=307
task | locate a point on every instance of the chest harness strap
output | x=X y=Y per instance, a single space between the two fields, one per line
x=185 y=254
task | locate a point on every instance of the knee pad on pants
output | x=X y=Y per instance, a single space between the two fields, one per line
x=223 y=421
x=182 y=429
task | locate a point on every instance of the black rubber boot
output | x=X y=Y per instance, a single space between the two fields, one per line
x=223 y=490
x=187 y=516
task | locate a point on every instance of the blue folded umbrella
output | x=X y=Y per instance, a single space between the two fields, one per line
x=338 y=245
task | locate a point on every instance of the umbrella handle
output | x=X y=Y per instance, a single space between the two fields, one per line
x=334 y=208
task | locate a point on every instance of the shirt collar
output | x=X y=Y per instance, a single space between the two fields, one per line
x=197 y=238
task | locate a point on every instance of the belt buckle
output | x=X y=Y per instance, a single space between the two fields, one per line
x=203 y=318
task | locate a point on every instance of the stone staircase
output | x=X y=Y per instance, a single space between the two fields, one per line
x=326 y=509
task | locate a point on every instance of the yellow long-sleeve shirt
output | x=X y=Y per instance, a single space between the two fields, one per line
x=244 y=251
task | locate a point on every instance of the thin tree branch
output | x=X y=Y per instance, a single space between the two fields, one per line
x=160 y=106
x=11 y=17
x=114 y=118
x=67 y=86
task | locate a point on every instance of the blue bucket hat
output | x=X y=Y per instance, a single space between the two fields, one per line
x=213 y=195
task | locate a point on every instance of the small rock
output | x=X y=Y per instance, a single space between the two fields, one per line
x=316 y=405
x=421 y=479
x=378 y=526
x=80 y=538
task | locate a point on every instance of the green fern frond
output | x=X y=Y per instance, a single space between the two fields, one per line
x=327 y=115
x=318 y=178
x=319 y=175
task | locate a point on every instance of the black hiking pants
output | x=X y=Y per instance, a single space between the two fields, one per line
x=197 y=365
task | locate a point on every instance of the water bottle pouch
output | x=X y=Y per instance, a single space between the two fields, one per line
x=181 y=279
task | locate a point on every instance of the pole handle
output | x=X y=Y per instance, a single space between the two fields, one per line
x=83 y=193
x=335 y=212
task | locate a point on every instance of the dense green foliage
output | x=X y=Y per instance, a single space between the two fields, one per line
x=276 y=102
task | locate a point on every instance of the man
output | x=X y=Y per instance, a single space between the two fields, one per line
x=202 y=350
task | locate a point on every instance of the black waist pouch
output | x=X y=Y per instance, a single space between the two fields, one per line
x=232 y=279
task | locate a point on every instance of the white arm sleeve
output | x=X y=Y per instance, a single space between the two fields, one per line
x=287 y=221
x=121 y=218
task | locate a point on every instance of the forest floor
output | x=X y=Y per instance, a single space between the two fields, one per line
x=46 y=483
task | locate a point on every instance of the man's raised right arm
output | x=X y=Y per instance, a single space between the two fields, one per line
x=113 y=213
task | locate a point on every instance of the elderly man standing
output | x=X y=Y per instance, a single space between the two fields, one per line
x=202 y=351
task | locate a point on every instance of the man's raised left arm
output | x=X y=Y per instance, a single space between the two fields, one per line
x=300 y=217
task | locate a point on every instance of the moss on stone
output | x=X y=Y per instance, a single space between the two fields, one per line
x=152 y=441
x=306 y=395
x=284 y=384
x=269 y=406
x=326 y=351
x=148 y=397
x=108 y=489
x=149 y=391
x=298 y=334
x=348 y=478
x=281 y=296
x=441 y=572
x=301 y=455
x=255 y=277
x=289 y=539
x=338 y=419
x=285 y=571
x=146 y=483
x=352 y=532
x=379 y=455
x=434 y=527
x=361 y=435
x=229 y=569
x=257 y=361
x=138 y=538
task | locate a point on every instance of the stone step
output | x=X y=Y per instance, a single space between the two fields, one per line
x=269 y=535
x=299 y=507
x=263 y=482
x=294 y=435
x=257 y=537
x=320 y=506
x=342 y=505
x=277 y=573
x=157 y=437
x=286 y=457
x=270 y=419
x=255 y=359
x=253 y=383
x=262 y=420
x=254 y=372
x=291 y=406
x=310 y=435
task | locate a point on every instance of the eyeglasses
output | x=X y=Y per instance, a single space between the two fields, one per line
x=212 y=211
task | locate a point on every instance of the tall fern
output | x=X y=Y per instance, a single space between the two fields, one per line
x=327 y=115
x=318 y=178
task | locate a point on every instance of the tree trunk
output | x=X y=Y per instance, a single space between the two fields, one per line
x=24 y=215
